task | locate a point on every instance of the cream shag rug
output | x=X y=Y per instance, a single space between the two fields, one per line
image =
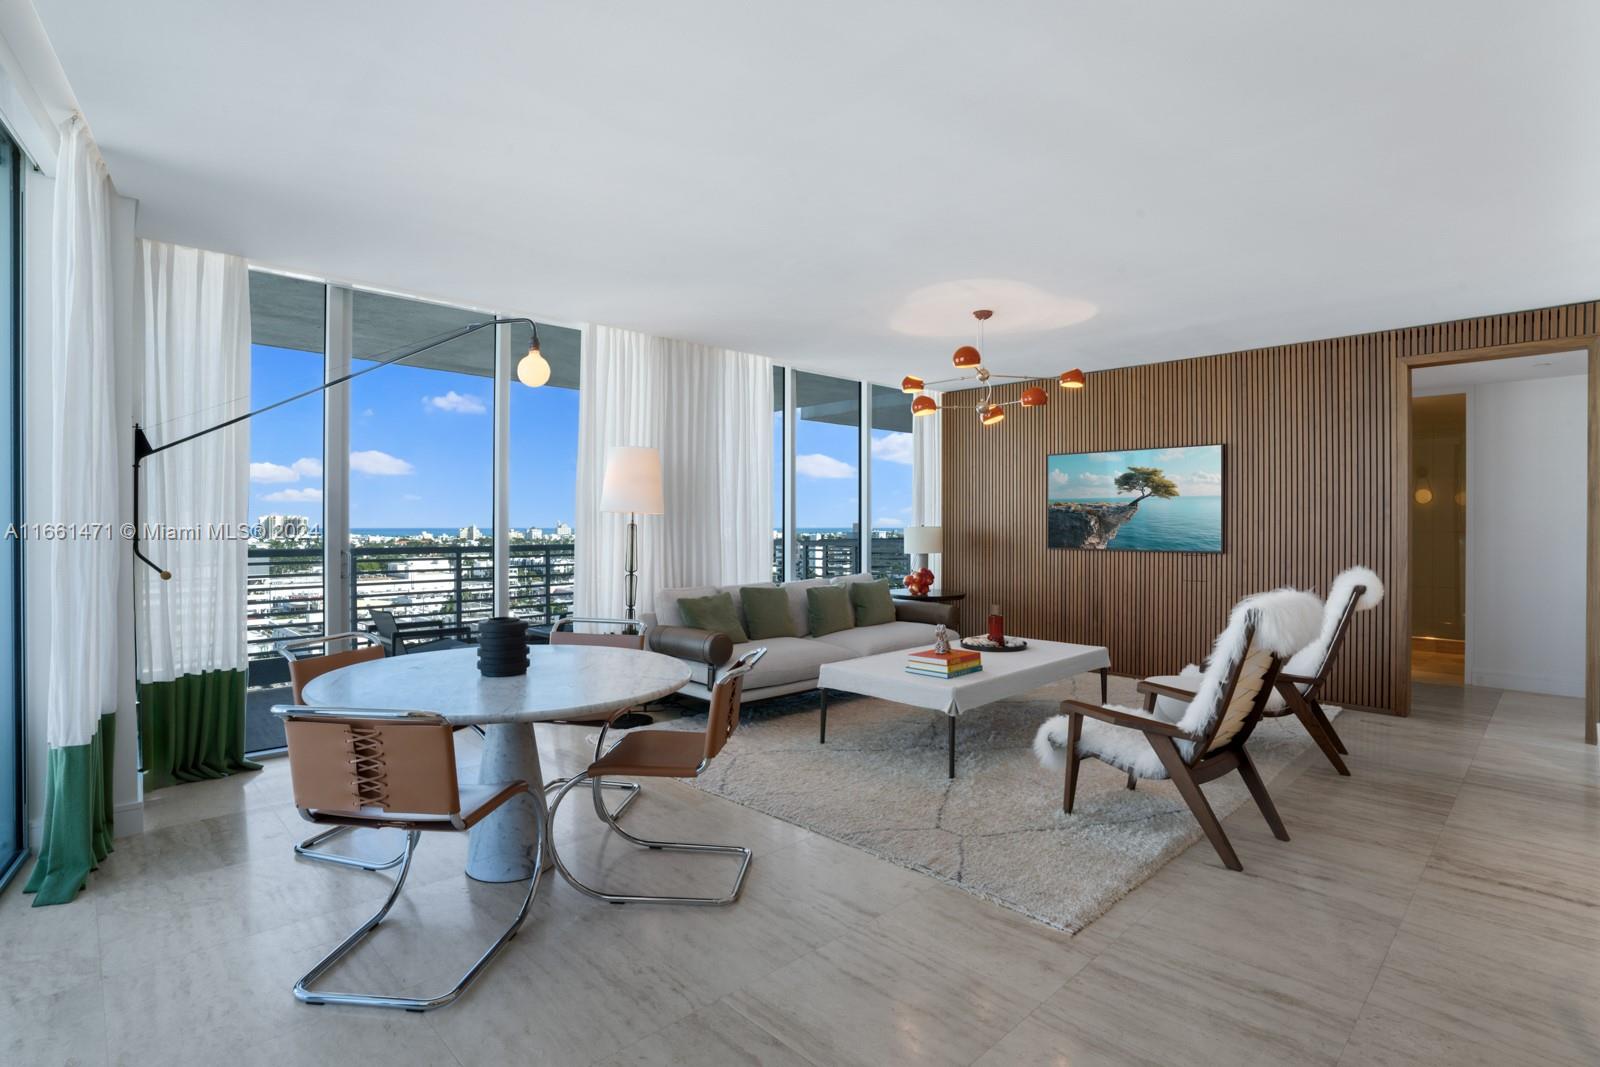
x=996 y=831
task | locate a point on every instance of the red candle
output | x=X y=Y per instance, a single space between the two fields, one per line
x=997 y=625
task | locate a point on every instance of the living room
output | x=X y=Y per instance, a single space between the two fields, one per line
x=1045 y=534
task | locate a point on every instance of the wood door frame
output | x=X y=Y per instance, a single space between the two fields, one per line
x=1402 y=507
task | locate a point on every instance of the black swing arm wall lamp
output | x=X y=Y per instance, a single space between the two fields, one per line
x=532 y=370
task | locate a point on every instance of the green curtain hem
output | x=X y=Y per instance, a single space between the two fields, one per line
x=77 y=817
x=192 y=728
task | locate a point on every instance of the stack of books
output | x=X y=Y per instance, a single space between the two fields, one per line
x=955 y=663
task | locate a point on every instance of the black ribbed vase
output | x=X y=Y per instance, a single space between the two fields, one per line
x=502 y=647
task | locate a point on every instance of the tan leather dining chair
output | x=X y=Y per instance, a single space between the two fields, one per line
x=664 y=753
x=390 y=769
x=302 y=669
x=629 y=634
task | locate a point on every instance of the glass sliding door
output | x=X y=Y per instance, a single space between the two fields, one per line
x=543 y=470
x=827 y=469
x=421 y=468
x=12 y=837
x=891 y=482
x=283 y=584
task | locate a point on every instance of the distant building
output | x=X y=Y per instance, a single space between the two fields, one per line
x=284 y=527
x=535 y=533
x=563 y=532
x=470 y=533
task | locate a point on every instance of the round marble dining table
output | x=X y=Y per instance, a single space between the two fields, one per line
x=563 y=682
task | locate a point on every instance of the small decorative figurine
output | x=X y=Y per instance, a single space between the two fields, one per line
x=941 y=639
x=919 y=582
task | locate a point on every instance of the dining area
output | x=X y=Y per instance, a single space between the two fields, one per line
x=372 y=757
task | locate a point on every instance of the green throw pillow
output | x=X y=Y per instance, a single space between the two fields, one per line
x=872 y=602
x=767 y=609
x=715 y=613
x=828 y=610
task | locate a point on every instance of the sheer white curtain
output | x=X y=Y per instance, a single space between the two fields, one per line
x=926 y=473
x=709 y=411
x=86 y=468
x=195 y=332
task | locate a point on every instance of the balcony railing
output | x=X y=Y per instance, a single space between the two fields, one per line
x=453 y=584
x=833 y=556
x=443 y=584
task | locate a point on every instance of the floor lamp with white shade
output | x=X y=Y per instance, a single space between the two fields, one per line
x=632 y=487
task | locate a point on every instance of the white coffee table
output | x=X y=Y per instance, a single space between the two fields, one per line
x=1004 y=675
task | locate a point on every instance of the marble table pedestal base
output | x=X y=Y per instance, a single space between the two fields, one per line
x=501 y=847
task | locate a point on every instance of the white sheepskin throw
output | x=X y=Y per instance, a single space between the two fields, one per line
x=1309 y=660
x=1286 y=621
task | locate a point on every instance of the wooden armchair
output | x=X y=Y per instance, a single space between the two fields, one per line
x=1299 y=683
x=1208 y=739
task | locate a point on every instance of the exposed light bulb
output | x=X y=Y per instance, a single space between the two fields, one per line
x=533 y=370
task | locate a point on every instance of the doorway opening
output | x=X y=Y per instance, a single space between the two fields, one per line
x=1499 y=458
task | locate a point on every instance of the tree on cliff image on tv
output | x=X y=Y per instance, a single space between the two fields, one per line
x=1137 y=500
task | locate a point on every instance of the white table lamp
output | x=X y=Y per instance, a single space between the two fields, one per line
x=921 y=542
x=632 y=487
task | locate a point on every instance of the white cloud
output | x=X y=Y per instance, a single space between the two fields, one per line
x=375 y=462
x=296 y=496
x=455 y=403
x=817 y=465
x=1167 y=455
x=307 y=467
x=272 y=473
x=892 y=448
x=1200 y=483
x=1085 y=478
x=888 y=522
x=1060 y=479
x=409 y=496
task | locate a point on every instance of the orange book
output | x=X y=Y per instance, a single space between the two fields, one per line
x=955 y=657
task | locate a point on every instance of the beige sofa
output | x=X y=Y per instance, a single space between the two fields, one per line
x=791 y=664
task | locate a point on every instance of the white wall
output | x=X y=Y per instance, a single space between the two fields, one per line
x=1527 y=473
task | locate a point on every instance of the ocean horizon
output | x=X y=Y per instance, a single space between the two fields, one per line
x=1180 y=524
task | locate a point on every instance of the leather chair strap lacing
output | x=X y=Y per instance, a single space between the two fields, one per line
x=371 y=781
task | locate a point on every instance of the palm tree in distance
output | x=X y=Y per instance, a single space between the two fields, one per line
x=1147 y=482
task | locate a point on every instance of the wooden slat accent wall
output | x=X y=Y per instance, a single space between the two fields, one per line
x=1315 y=459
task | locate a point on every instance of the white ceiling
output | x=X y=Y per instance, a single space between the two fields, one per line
x=1457 y=377
x=787 y=179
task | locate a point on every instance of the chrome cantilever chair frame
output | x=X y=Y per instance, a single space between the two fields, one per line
x=311 y=847
x=630 y=789
x=730 y=682
x=302 y=988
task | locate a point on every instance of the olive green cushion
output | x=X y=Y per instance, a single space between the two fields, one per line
x=716 y=613
x=766 y=611
x=828 y=610
x=872 y=603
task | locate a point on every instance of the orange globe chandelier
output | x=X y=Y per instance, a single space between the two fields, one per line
x=970 y=358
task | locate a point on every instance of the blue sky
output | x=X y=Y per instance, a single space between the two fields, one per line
x=421 y=444
x=421 y=452
x=1091 y=475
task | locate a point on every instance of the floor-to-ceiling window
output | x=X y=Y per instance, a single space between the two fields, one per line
x=543 y=475
x=890 y=481
x=419 y=504
x=12 y=838
x=827 y=469
x=283 y=585
x=779 y=494
x=421 y=464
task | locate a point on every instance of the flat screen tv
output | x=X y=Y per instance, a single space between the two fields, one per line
x=1137 y=500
